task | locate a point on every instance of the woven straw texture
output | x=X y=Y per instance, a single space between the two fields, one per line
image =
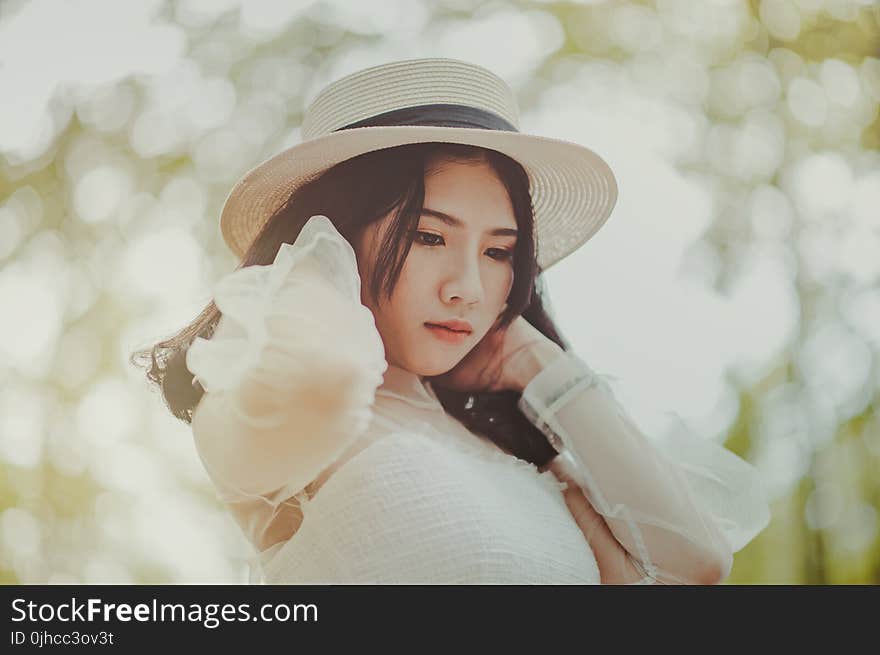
x=573 y=189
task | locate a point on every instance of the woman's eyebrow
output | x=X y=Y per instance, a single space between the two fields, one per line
x=455 y=222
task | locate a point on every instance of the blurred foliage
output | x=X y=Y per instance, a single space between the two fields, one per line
x=109 y=241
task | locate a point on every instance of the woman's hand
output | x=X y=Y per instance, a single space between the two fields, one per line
x=496 y=362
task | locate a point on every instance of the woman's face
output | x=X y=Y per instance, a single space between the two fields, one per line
x=456 y=269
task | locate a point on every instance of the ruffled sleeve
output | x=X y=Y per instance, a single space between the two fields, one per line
x=290 y=372
x=680 y=508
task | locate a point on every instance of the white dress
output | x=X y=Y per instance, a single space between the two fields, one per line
x=304 y=426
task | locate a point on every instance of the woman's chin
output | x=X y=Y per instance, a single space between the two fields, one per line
x=436 y=366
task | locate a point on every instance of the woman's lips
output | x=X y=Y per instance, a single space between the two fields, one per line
x=447 y=335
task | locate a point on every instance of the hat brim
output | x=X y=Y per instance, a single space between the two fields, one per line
x=573 y=189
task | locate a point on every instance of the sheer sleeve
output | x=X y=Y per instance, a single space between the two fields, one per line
x=680 y=509
x=289 y=374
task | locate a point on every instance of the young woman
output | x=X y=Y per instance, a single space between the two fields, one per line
x=378 y=393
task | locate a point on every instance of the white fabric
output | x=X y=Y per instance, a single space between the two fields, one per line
x=670 y=505
x=342 y=469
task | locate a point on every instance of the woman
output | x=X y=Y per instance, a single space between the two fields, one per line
x=355 y=438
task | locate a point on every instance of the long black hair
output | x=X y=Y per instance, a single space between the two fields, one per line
x=353 y=194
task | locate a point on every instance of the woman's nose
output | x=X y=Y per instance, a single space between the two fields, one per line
x=464 y=282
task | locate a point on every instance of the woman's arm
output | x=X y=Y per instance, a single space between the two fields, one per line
x=616 y=565
x=680 y=524
x=290 y=372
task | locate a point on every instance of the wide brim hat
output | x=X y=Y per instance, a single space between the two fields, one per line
x=419 y=100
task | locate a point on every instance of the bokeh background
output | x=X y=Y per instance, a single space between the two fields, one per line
x=734 y=291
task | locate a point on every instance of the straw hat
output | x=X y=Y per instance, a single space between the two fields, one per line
x=434 y=99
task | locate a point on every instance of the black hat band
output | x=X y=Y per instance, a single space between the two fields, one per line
x=437 y=115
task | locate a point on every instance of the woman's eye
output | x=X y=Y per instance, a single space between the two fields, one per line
x=420 y=236
x=501 y=254
x=425 y=238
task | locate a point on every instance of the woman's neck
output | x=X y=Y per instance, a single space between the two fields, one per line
x=403 y=384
